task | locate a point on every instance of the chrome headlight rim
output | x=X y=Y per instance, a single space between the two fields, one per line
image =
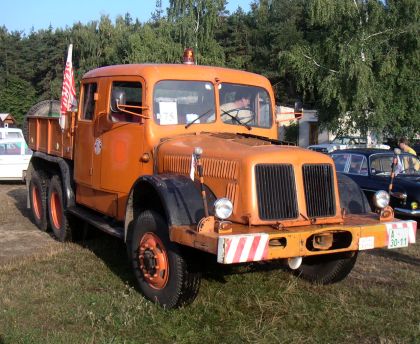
x=381 y=199
x=223 y=208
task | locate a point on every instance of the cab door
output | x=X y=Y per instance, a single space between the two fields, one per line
x=84 y=138
x=122 y=141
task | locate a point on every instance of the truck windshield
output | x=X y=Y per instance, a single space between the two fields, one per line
x=246 y=105
x=183 y=102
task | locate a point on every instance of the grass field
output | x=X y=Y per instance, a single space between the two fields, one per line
x=85 y=294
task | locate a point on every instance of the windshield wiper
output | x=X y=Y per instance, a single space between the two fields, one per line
x=235 y=118
x=195 y=120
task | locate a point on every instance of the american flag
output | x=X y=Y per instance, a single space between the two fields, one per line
x=68 y=92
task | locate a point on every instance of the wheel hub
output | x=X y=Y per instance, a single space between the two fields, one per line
x=153 y=261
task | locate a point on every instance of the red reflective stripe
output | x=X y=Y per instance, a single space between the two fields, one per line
x=239 y=250
x=254 y=247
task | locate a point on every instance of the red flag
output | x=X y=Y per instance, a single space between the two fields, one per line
x=68 y=92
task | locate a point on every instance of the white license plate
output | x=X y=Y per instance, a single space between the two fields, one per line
x=397 y=237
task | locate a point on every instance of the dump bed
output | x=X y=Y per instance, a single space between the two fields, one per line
x=45 y=135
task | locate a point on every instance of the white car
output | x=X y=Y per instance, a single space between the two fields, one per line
x=345 y=142
x=14 y=158
x=11 y=133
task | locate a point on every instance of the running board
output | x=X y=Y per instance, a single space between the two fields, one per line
x=97 y=221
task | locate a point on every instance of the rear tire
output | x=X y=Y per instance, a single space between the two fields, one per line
x=56 y=211
x=38 y=189
x=164 y=274
x=44 y=108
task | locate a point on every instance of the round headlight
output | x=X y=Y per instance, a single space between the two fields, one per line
x=381 y=199
x=223 y=208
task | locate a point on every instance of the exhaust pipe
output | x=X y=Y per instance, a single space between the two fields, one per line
x=294 y=262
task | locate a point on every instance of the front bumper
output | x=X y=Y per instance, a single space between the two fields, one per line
x=259 y=243
x=407 y=212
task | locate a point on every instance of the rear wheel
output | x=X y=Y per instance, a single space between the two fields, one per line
x=164 y=274
x=38 y=188
x=56 y=210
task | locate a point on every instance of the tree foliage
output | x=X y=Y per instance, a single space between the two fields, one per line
x=356 y=61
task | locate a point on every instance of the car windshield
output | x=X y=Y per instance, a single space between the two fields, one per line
x=183 y=102
x=349 y=140
x=382 y=164
x=8 y=147
x=350 y=163
x=245 y=105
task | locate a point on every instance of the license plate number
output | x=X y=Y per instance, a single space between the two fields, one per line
x=397 y=237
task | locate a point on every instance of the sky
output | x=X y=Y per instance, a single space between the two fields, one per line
x=23 y=15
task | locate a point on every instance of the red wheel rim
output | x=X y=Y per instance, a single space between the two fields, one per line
x=36 y=202
x=153 y=261
x=56 y=210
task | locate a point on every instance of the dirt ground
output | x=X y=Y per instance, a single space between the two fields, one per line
x=19 y=237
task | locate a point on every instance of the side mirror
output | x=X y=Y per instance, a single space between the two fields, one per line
x=287 y=114
x=298 y=109
x=118 y=98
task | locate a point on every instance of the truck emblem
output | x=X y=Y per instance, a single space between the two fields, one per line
x=98 y=146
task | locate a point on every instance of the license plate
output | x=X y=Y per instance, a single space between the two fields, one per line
x=397 y=237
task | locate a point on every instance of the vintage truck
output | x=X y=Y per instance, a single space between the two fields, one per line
x=154 y=156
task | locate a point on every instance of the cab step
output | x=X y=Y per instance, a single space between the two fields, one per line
x=98 y=220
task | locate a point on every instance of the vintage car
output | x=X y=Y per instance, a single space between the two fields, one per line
x=371 y=169
x=344 y=142
x=14 y=158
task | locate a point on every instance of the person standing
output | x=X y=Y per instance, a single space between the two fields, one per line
x=403 y=144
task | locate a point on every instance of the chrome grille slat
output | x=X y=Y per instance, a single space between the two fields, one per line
x=276 y=192
x=318 y=182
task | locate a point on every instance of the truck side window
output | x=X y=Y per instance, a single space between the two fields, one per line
x=89 y=91
x=128 y=96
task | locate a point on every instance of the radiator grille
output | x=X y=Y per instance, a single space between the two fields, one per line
x=318 y=181
x=276 y=191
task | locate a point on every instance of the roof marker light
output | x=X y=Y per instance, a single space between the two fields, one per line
x=188 y=57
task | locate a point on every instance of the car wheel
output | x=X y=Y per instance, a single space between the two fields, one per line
x=56 y=211
x=38 y=188
x=164 y=273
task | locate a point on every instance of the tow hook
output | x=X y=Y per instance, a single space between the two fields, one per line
x=322 y=241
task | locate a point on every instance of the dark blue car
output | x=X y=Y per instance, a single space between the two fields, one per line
x=371 y=170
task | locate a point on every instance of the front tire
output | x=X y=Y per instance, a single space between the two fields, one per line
x=328 y=268
x=163 y=273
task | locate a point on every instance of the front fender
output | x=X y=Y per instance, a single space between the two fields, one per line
x=176 y=197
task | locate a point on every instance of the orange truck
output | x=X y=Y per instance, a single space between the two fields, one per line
x=182 y=159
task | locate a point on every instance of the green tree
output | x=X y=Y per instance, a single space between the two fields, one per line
x=16 y=97
x=194 y=25
x=355 y=57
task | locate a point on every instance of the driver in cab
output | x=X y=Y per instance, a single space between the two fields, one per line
x=238 y=109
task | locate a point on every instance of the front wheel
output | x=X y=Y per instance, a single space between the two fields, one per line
x=164 y=274
x=328 y=268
